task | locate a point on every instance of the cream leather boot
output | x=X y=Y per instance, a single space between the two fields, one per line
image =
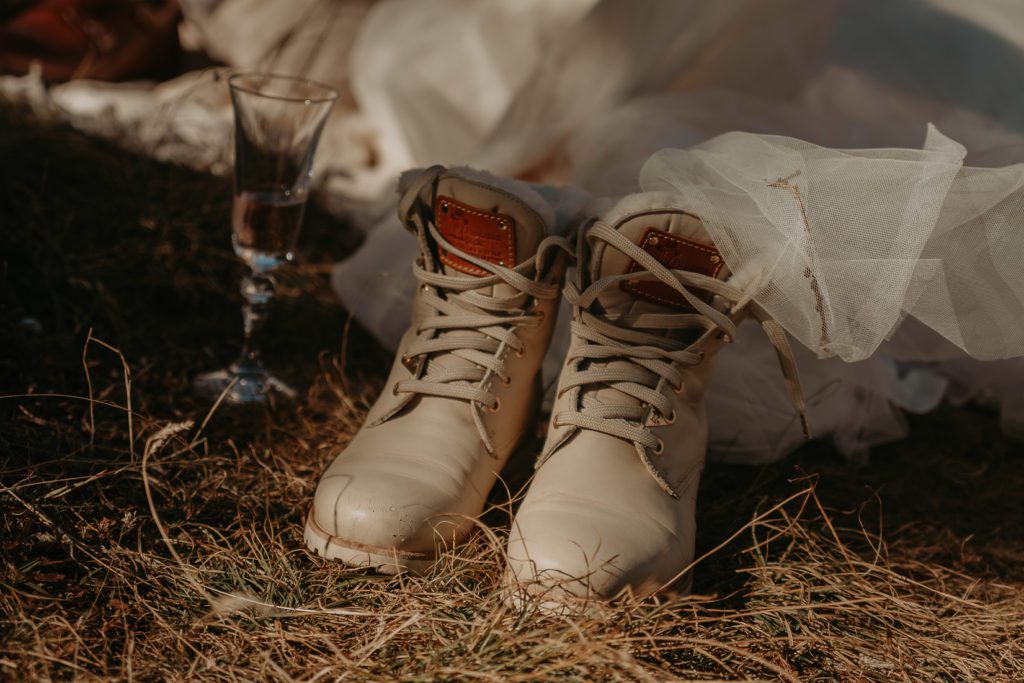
x=463 y=389
x=611 y=507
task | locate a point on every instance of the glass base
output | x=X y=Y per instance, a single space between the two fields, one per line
x=242 y=385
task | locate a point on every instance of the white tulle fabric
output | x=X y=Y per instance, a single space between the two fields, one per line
x=853 y=241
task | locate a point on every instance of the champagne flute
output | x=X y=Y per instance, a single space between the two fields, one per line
x=278 y=121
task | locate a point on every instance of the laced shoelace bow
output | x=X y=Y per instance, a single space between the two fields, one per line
x=467 y=323
x=654 y=358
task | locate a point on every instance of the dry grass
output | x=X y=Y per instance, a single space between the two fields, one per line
x=145 y=537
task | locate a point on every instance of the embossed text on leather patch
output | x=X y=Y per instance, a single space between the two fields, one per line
x=675 y=253
x=487 y=236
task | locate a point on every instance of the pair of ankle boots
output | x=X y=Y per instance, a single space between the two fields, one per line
x=611 y=507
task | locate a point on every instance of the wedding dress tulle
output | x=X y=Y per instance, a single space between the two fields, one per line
x=891 y=249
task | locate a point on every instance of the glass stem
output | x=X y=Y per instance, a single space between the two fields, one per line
x=257 y=292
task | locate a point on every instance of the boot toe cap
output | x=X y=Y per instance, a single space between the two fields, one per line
x=564 y=549
x=378 y=510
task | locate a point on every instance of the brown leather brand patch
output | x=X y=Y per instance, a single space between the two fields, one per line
x=488 y=236
x=675 y=253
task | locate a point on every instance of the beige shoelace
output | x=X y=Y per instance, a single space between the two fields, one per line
x=471 y=325
x=654 y=358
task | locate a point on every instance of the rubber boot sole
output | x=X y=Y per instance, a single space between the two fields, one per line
x=353 y=554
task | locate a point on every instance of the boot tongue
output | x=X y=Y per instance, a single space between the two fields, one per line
x=675 y=239
x=678 y=241
x=486 y=222
x=489 y=223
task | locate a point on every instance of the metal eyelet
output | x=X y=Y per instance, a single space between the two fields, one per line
x=678 y=390
x=660 y=448
x=496 y=408
x=506 y=380
x=521 y=352
x=671 y=418
x=541 y=315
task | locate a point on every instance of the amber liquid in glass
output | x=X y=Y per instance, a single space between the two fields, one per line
x=265 y=226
